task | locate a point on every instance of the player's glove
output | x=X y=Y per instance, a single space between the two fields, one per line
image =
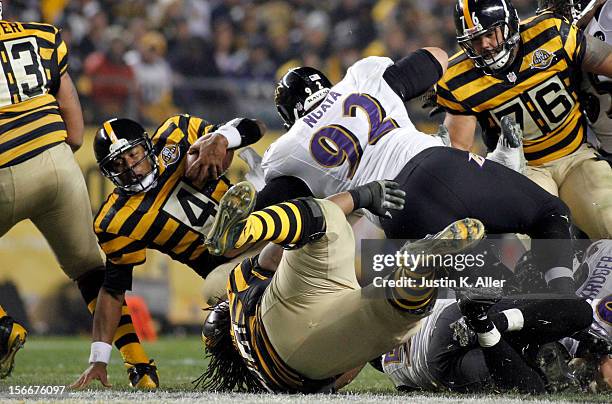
x=378 y=197
x=443 y=135
x=509 y=150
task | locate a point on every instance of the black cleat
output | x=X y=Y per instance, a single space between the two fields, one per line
x=474 y=304
x=12 y=338
x=143 y=376
x=553 y=361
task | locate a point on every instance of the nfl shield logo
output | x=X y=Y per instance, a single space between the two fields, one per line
x=170 y=154
x=511 y=77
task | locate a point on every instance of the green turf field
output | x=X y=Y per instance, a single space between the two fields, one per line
x=58 y=361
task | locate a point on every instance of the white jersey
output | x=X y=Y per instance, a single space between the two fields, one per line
x=407 y=365
x=600 y=86
x=359 y=133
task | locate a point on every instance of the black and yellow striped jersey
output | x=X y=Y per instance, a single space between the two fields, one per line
x=540 y=90
x=245 y=287
x=172 y=217
x=33 y=59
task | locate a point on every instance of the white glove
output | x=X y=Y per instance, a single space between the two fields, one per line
x=509 y=149
x=255 y=175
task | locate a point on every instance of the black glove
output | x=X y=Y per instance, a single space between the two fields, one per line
x=378 y=197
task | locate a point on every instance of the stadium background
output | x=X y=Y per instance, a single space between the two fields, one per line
x=149 y=59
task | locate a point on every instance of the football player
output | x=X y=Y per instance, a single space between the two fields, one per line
x=41 y=125
x=358 y=130
x=440 y=358
x=529 y=71
x=595 y=17
x=498 y=354
x=295 y=319
x=154 y=206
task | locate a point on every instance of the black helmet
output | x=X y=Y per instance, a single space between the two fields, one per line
x=474 y=18
x=298 y=92
x=115 y=137
x=573 y=10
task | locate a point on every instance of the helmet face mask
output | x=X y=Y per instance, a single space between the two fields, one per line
x=492 y=21
x=125 y=155
x=298 y=92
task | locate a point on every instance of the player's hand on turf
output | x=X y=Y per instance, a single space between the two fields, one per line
x=96 y=371
x=205 y=158
x=387 y=196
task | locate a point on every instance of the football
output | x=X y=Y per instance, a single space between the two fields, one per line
x=227 y=160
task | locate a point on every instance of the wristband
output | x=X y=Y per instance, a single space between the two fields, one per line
x=100 y=352
x=231 y=134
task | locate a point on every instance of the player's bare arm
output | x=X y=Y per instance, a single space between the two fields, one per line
x=461 y=129
x=70 y=109
x=105 y=322
x=211 y=151
x=597 y=57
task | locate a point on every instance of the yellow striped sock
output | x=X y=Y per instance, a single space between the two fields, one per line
x=281 y=224
x=126 y=340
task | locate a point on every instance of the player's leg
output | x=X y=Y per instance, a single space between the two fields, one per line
x=329 y=325
x=587 y=190
x=533 y=320
x=453 y=184
x=283 y=223
x=543 y=177
x=66 y=222
x=12 y=338
x=507 y=367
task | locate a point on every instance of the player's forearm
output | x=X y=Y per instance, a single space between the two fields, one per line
x=70 y=110
x=107 y=316
x=345 y=202
x=461 y=129
x=597 y=57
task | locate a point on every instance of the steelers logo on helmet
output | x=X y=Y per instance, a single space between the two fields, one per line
x=488 y=32
x=125 y=155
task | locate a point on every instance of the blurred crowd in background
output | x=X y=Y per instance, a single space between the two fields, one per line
x=148 y=59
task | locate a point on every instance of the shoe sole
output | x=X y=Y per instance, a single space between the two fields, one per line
x=468 y=230
x=481 y=294
x=8 y=362
x=236 y=205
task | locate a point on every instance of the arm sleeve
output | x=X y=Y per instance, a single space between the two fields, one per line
x=281 y=189
x=240 y=132
x=118 y=278
x=414 y=74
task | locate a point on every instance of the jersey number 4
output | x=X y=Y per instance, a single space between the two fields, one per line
x=333 y=145
x=23 y=75
x=191 y=207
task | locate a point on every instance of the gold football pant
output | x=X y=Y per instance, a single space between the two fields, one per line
x=584 y=184
x=49 y=189
x=318 y=319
